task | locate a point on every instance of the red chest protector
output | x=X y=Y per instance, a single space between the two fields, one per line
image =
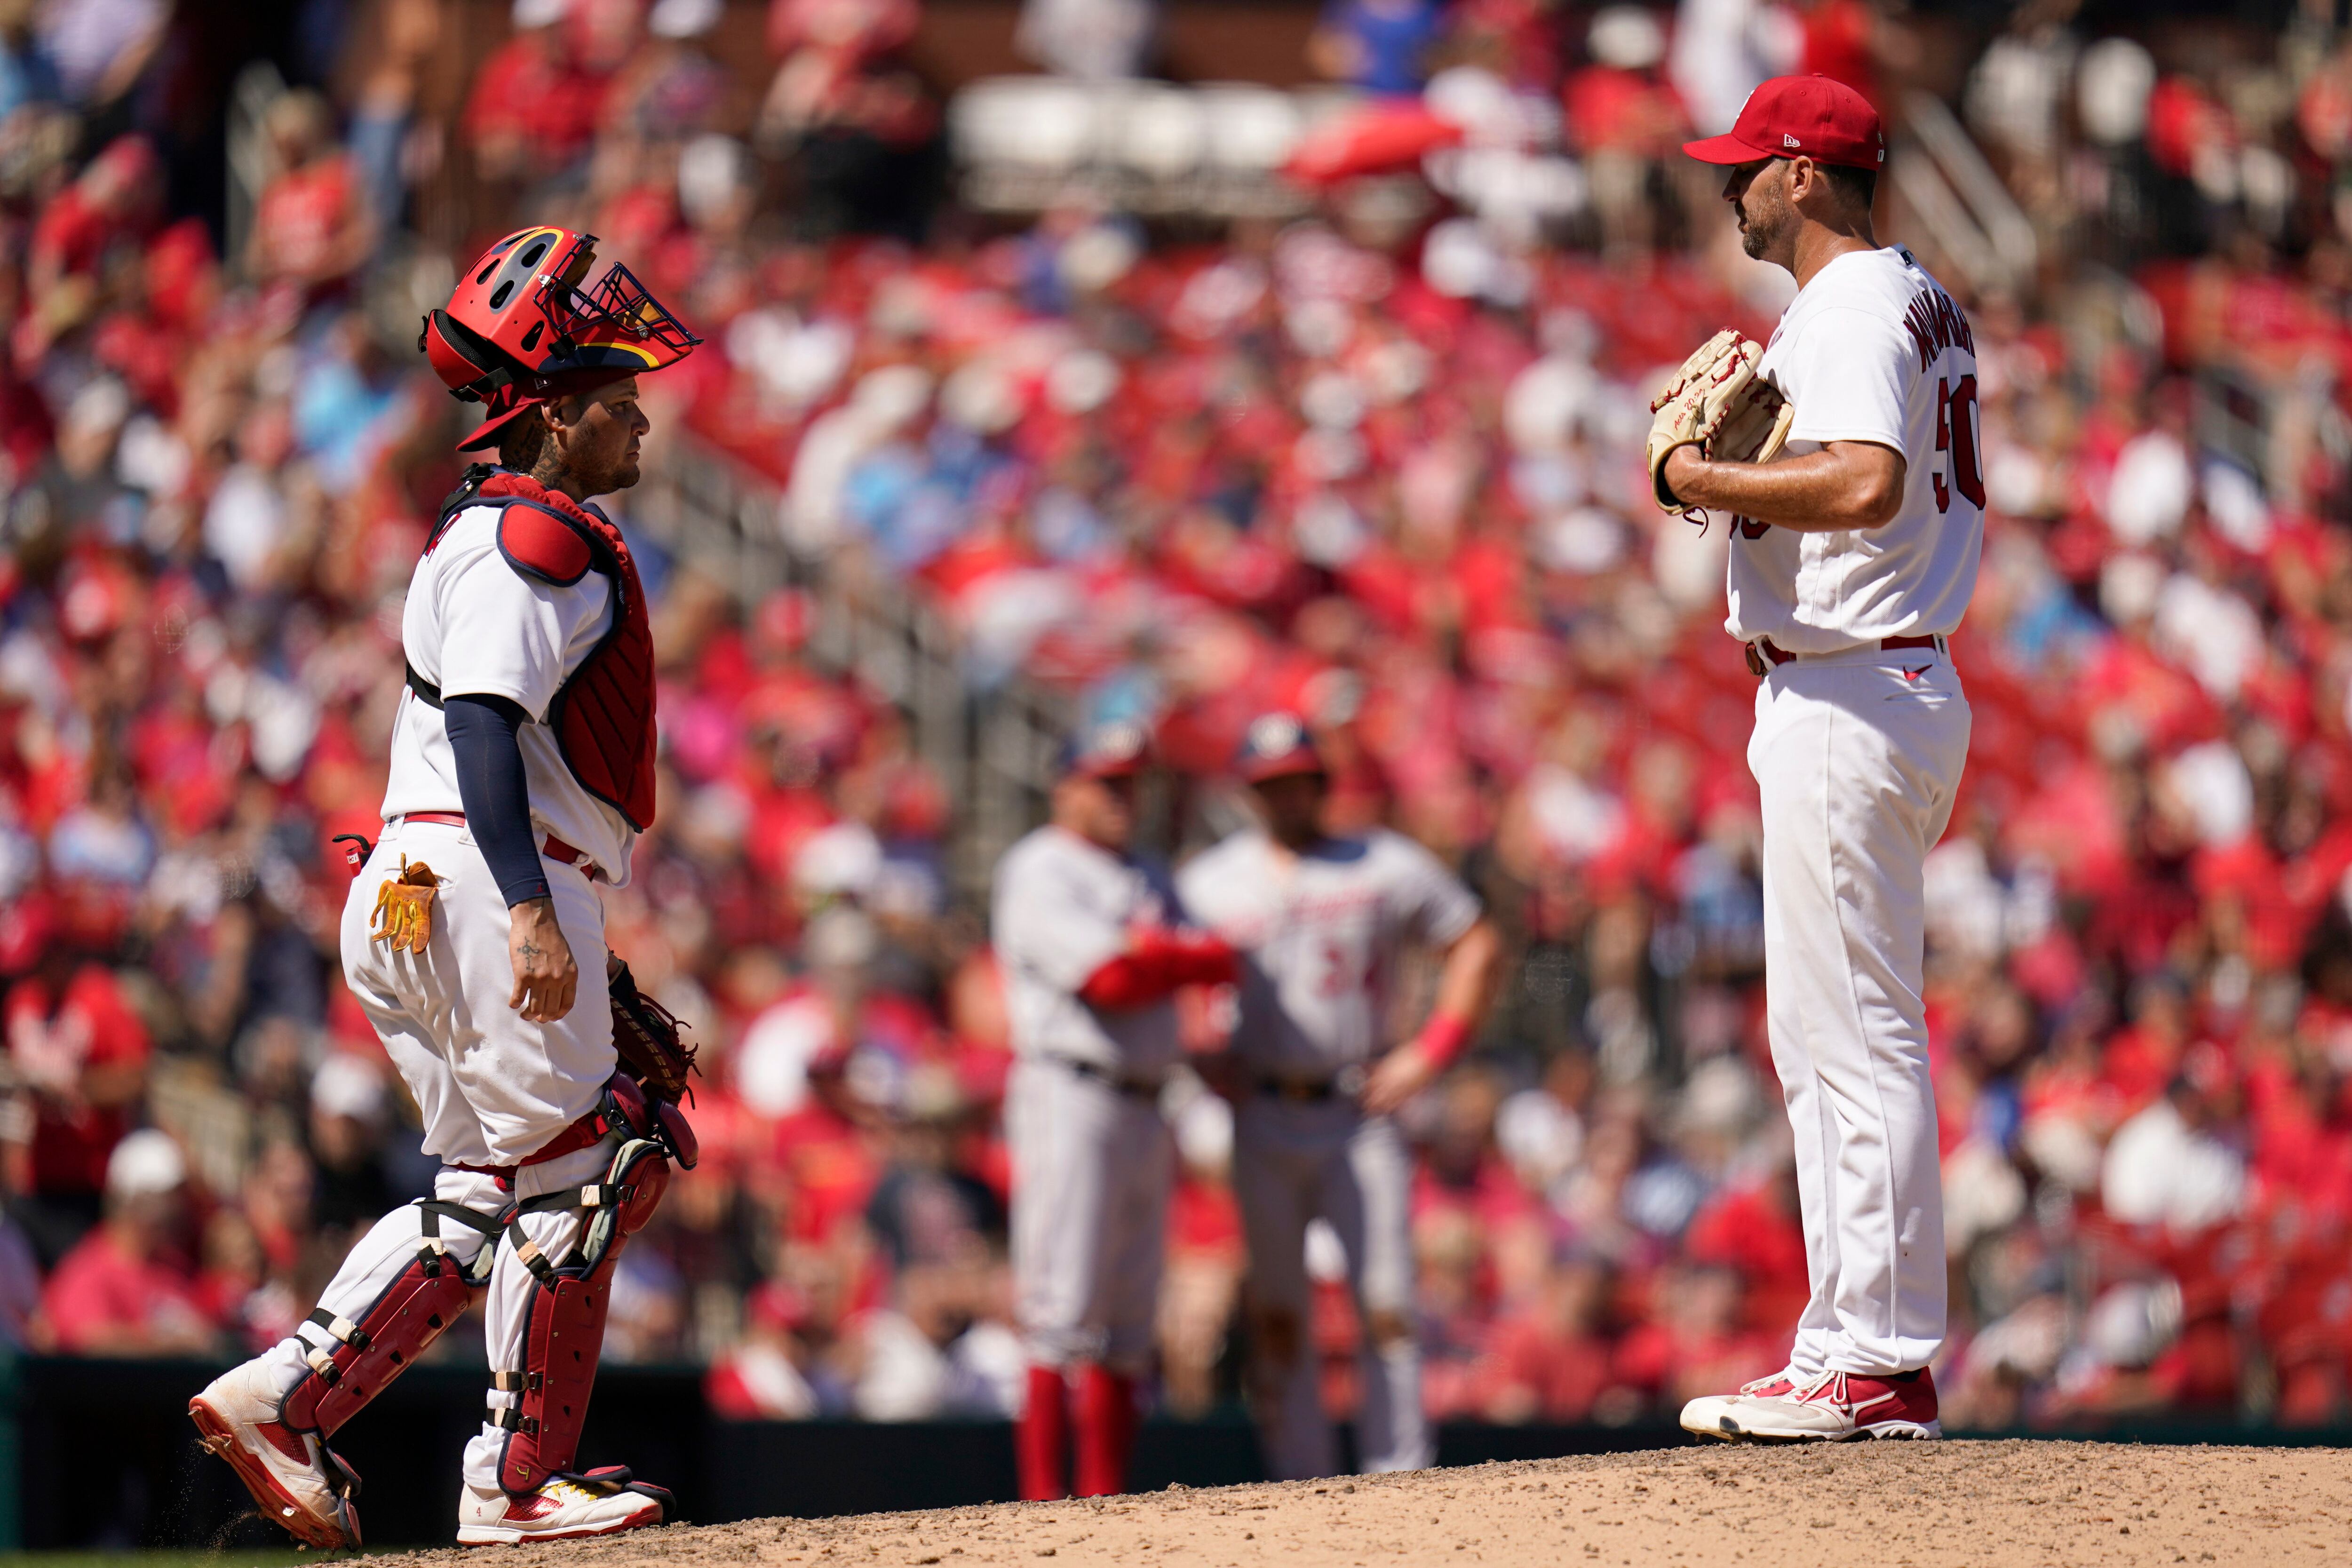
x=603 y=715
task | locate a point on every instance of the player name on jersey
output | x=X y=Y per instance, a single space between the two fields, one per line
x=1935 y=324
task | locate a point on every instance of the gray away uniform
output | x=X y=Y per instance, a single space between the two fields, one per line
x=1091 y=1155
x=1319 y=935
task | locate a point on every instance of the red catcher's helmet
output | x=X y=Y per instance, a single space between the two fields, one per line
x=519 y=329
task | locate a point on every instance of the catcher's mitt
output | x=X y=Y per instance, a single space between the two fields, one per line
x=1719 y=403
x=646 y=1036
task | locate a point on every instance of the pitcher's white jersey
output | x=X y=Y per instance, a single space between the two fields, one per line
x=1318 y=933
x=1871 y=350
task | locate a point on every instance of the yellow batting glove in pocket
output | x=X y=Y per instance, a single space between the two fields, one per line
x=403 y=907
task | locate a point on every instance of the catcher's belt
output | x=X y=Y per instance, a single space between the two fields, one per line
x=624 y=1108
x=554 y=849
x=586 y=1133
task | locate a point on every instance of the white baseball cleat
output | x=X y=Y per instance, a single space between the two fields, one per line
x=296 y=1482
x=1704 y=1414
x=601 y=1502
x=1839 y=1405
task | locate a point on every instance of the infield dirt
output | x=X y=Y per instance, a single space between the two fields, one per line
x=1863 y=1505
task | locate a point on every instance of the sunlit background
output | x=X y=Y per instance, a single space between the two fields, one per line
x=1105 y=358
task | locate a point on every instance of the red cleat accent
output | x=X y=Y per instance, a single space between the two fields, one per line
x=324 y=1521
x=1840 y=1406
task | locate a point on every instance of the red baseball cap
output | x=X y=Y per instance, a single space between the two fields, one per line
x=1825 y=120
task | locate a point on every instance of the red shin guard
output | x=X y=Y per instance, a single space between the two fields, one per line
x=360 y=1358
x=1107 y=1419
x=1041 y=1438
x=563 y=1325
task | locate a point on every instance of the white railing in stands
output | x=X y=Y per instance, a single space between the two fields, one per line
x=993 y=750
x=257 y=88
x=1969 y=215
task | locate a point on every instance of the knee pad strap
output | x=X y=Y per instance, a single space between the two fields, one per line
x=363 y=1355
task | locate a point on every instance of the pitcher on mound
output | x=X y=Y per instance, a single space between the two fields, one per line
x=1845 y=452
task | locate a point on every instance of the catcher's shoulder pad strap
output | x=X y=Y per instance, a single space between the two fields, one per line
x=469 y=485
x=539 y=543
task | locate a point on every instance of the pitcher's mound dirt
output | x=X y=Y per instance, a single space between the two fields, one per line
x=1861 y=1505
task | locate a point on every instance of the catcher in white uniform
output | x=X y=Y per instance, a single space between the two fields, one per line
x=1321 y=923
x=521 y=773
x=1854 y=553
x=1090 y=942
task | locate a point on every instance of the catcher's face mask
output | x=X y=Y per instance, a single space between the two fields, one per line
x=617 y=319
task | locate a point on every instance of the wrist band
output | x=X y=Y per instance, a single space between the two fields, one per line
x=1442 y=1038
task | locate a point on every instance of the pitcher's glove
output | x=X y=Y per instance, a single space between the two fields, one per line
x=1719 y=403
x=646 y=1036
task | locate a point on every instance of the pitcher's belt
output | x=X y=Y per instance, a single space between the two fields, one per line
x=1770 y=653
x=554 y=849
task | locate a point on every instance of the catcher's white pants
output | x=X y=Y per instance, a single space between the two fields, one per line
x=1091 y=1167
x=1293 y=1162
x=492 y=1086
x=391 y=1246
x=1858 y=755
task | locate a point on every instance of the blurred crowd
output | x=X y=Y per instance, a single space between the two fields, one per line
x=1381 y=466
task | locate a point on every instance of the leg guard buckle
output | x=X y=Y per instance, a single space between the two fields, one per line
x=362 y=1358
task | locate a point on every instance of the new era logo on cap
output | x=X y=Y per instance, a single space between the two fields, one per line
x=1789 y=140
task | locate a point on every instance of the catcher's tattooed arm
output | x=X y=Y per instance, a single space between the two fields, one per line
x=1845 y=485
x=546 y=978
